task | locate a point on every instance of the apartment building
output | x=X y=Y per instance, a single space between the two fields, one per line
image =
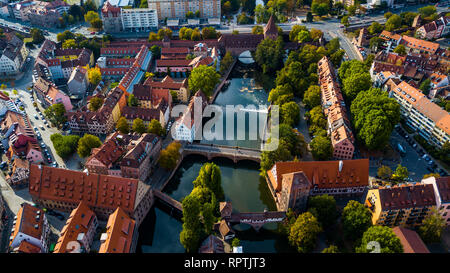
x=30 y=226
x=13 y=54
x=435 y=29
x=139 y=20
x=187 y=126
x=177 y=9
x=62 y=189
x=418 y=45
x=291 y=182
x=410 y=240
x=405 y=205
x=48 y=94
x=165 y=85
x=78 y=233
x=333 y=104
x=420 y=113
x=441 y=187
x=346 y=3
x=121 y=234
x=78 y=82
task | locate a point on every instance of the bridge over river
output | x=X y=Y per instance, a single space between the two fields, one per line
x=211 y=151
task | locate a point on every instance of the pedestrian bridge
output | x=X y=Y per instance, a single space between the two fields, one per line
x=212 y=151
x=168 y=200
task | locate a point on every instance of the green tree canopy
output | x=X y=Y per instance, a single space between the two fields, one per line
x=325 y=206
x=122 y=125
x=393 y=22
x=139 y=126
x=384 y=236
x=290 y=113
x=210 y=177
x=64 y=145
x=203 y=78
x=384 y=172
x=155 y=127
x=432 y=228
x=86 y=144
x=331 y=249
x=401 y=173
x=321 y=148
x=132 y=101
x=356 y=83
x=303 y=233
x=375 y=115
x=95 y=103
x=356 y=219
x=269 y=54
x=169 y=156
x=56 y=114
x=400 y=50
x=312 y=96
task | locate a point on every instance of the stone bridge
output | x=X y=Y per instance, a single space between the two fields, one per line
x=211 y=151
x=168 y=200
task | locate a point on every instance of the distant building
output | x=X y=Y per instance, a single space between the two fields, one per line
x=441 y=188
x=121 y=234
x=410 y=240
x=346 y=3
x=420 y=113
x=271 y=29
x=64 y=189
x=48 y=94
x=435 y=29
x=401 y=205
x=292 y=182
x=30 y=226
x=116 y=18
x=13 y=54
x=78 y=233
x=111 y=18
x=78 y=82
x=212 y=244
x=177 y=9
x=20 y=172
x=333 y=105
x=188 y=124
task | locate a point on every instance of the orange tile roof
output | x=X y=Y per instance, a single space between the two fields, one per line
x=324 y=174
x=96 y=190
x=120 y=230
x=387 y=35
x=28 y=223
x=419 y=44
x=79 y=221
x=27 y=247
x=425 y=106
x=109 y=152
x=410 y=240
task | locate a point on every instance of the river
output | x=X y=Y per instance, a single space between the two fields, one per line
x=248 y=192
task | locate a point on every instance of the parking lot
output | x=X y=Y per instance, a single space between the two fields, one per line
x=414 y=158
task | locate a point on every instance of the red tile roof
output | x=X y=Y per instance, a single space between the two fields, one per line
x=410 y=240
x=120 y=230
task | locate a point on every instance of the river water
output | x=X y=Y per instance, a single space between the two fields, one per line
x=242 y=184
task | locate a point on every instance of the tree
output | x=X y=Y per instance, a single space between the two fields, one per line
x=64 y=145
x=155 y=127
x=169 y=156
x=401 y=173
x=153 y=37
x=304 y=36
x=321 y=148
x=303 y=233
x=236 y=242
x=427 y=11
x=319 y=8
x=122 y=125
x=356 y=219
x=356 y=83
x=325 y=207
x=209 y=33
x=94 y=76
x=163 y=32
x=244 y=19
x=257 y=30
x=190 y=235
x=375 y=115
x=203 y=78
x=433 y=225
x=375 y=28
x=69 y=43
x=156 y=51
x=312 y=96
x=400 y=50
x=95 y=103
x=290 y=113
x=331 y=249
x=388 y=15
x=393 y=22
x=375 y=42
x=425 y=86
x=309 y=17
x=96 y=23
x=210 y=177
x=227 y=60
x=384 y=172
x=56 y=114
x=139 y=126
x=90 y=16
x=37 y=35
x=269 y=54
x=132 y=101
x=86 y=144
x=345 y=21
x=384 y=236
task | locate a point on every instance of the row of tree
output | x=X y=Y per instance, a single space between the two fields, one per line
x=201 y=207
x=138 y=126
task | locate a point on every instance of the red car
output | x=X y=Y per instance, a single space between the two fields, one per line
x=93 y=32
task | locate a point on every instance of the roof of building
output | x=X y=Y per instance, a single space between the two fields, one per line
x=79 y=221
x=324 y=174
x=120 y=230
x=27 y=247
x=138 y=150
x=271 y=27
x=146 y=114
x=78 y=74
x=410 y=240
x=419 y=44
x=109 y=152
x=387 y=35
x=443 y=185
x=407 y=196
x=30 y=221
x=212 y=244
x=96 y=190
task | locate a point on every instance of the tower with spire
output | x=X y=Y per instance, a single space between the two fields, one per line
x=271 y=29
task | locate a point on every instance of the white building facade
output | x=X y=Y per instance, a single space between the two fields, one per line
x=141 y=19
